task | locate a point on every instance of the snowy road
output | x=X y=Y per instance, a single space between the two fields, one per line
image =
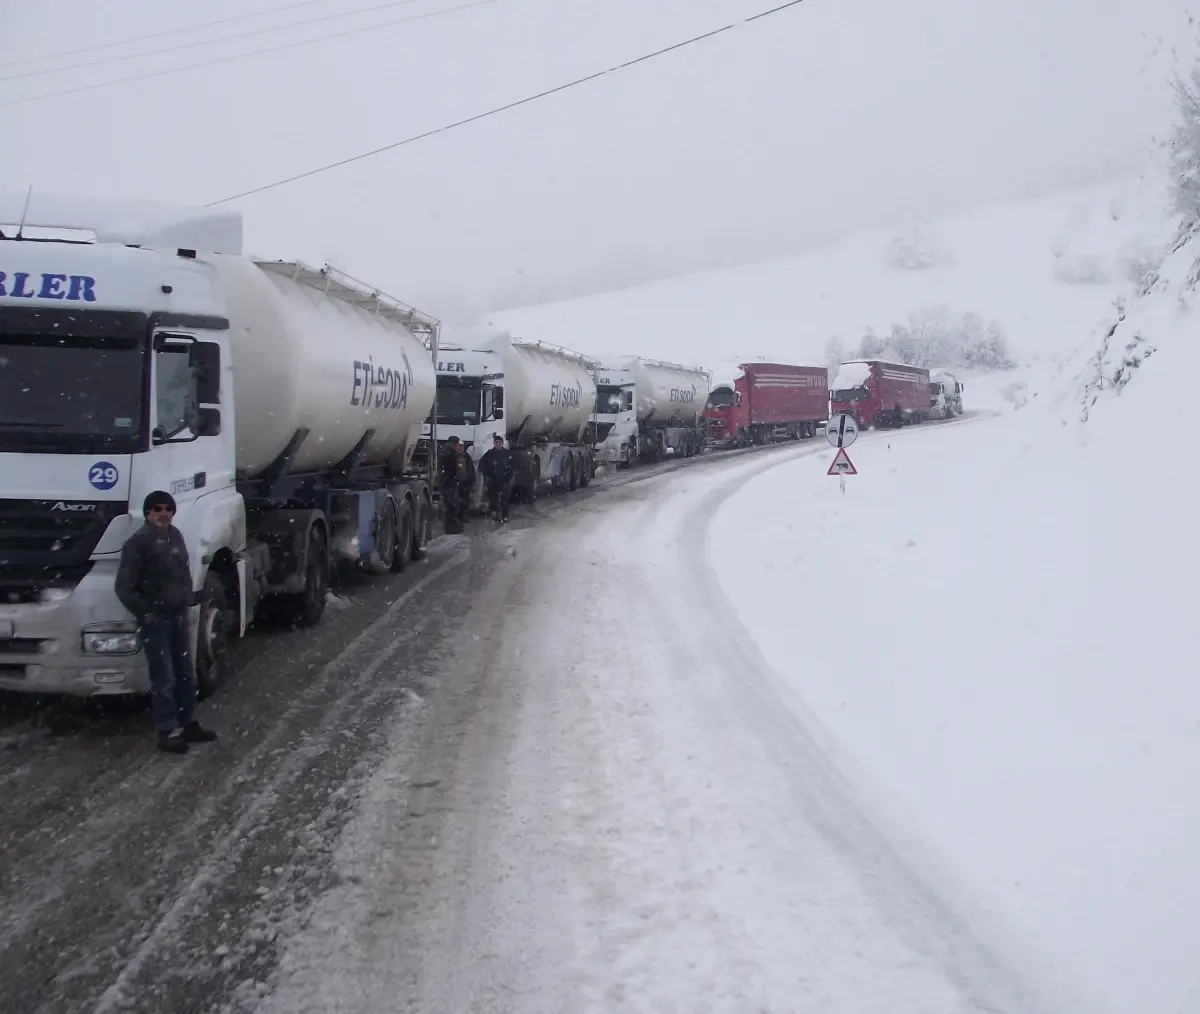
x=601 y=805
x=131 y=881
x=545 y=772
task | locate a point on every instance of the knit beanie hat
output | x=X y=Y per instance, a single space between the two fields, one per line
x=159 y=498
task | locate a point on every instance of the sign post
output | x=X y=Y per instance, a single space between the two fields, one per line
x=841 y=431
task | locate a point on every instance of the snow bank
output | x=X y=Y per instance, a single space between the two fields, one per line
x=1005 y=638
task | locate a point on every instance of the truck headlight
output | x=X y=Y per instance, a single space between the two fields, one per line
x=111 y=639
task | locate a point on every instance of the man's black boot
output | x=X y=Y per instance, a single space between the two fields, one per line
x=172 y=742
x=194 y=732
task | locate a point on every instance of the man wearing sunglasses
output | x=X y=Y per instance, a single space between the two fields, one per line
x=154 y=582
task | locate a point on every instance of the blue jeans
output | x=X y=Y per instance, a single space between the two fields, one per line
x=172 y=678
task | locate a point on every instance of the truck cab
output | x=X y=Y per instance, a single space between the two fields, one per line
x=470 y=402
x=615 y=408
x=945 y=394
x=112 y=355
x=724 y=417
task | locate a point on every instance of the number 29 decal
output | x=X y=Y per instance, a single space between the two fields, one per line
x=103 y=475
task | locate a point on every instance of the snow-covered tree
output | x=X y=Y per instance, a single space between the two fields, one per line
x=916 y=247
x=938 y=336
x=835 y=350
x=1185 y=148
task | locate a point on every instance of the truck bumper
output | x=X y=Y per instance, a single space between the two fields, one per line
x=41 y=643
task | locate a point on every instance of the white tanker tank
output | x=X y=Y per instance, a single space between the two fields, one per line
x=667 y=394
x=304 y=360
x=549 y=392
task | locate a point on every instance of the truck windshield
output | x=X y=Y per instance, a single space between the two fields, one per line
x=935 y=389
x=722 y=397
x=70 y=393
x=457 y=403
x=608 y=400
x=850 y=394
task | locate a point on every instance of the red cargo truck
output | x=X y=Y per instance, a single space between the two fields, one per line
x=764 y=402
x=881 y=394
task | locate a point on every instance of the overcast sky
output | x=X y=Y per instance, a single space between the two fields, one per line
x=824 y=119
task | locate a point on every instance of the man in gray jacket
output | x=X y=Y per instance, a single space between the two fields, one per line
x=154 y=582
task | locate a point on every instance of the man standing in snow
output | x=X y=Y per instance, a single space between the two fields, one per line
x=496 y=468
x=154 y=582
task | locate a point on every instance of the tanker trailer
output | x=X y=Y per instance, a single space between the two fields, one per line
x=654 y=407
x=278 y=404
x=539 y=397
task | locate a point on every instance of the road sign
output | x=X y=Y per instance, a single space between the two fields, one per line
x=842 y=465
x=841 y=430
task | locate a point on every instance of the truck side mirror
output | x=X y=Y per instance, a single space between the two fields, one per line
x=205 y=360
x=208 y=422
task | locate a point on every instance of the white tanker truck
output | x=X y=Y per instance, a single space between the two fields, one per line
x=651 y=407
x=539 y=397
x=278 y=404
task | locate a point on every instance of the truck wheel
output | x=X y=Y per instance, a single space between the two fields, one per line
x=585 y=472
x=385 y=538
x=212 y=636
x=572 y=470
x=309 y=605
x=402 y=550
x=422 y=530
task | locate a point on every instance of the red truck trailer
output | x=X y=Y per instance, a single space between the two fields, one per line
x=764 y=402
x=881 y=394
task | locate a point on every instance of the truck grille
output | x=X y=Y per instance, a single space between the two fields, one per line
x=41 y=547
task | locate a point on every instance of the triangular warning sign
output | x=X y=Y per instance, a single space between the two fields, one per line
x=842 y=465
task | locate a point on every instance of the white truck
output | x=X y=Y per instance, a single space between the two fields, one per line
x=277 y=403
x=539 y=397
x=945 y=394
x=652 y=407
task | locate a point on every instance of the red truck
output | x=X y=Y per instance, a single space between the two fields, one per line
x=881 y=394
x=765 y=402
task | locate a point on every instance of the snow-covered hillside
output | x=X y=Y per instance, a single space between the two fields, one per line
x=1003 y=649
x=1044 y=270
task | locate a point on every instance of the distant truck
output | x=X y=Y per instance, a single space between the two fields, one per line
x=766 y=402
x=650 y=408
x=539 y=397
x=278 y=404
x=881 y=394
x=945 y=394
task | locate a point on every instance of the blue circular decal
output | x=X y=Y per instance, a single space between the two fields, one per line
x=103 y=475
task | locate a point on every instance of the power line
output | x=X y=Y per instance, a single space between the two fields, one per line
x=245 y=56
x=163 y=34
x=507 y=106
x=209 y=42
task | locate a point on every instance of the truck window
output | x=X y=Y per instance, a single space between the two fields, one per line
x=722 y=397
x=70 y=393
x=609 y=400
x=850 y=394
x=174 y=400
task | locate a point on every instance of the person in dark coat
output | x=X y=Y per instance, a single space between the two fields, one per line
x=497 y=469
x=448 y=476
x=154 y=582
x=466 y=480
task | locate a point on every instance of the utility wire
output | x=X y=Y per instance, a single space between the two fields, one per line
x=245 y=56
x=208 y=42
x=507 y=106
x=161 y=35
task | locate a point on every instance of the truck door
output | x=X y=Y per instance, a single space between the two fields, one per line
x=185 y=378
